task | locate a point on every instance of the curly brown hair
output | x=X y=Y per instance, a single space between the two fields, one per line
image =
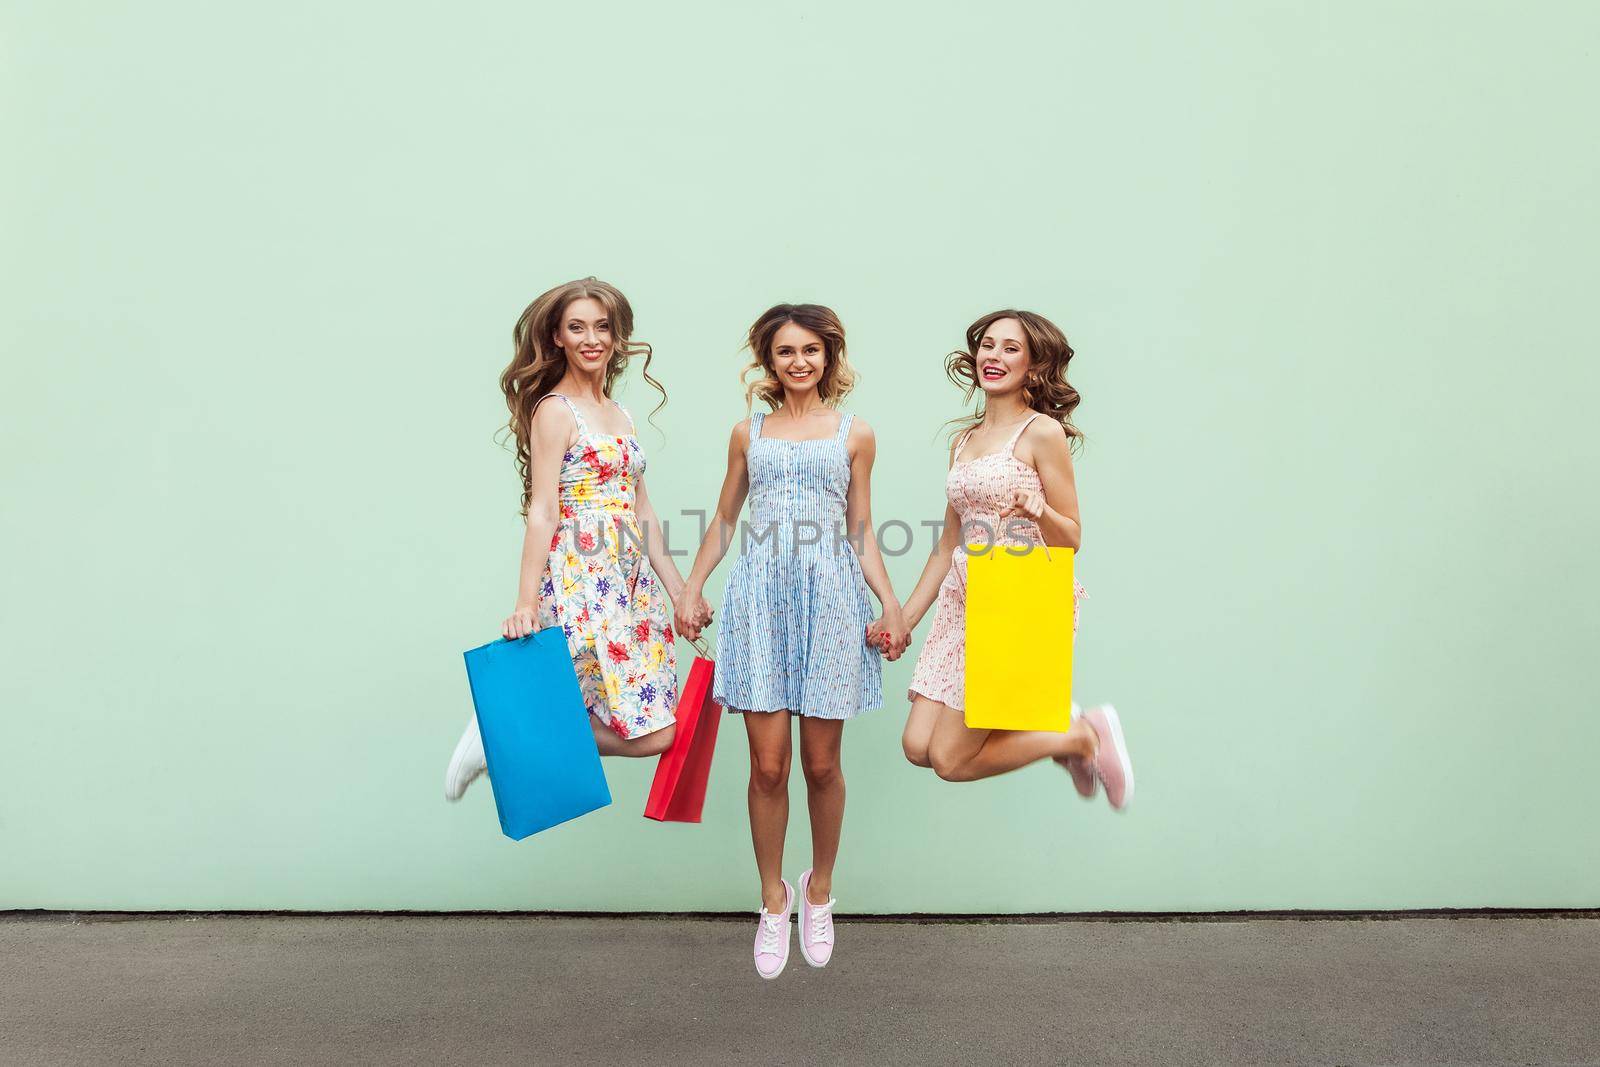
x=537 y=364
x=838 y=377
x=1046 y=391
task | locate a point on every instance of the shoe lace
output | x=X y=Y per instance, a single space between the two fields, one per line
x=771 y=927
x=821 y=919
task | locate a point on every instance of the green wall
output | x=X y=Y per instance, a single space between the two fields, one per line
x=1328 y=269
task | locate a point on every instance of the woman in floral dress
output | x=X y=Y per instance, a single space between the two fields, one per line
x=590 y=526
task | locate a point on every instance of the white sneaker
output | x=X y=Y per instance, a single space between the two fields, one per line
x=466 y=763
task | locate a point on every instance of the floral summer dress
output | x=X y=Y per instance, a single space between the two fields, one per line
x=977 y=489
x=599 y=589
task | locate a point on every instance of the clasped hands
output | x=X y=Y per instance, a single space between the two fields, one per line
x=691 y=613
x=888 y=633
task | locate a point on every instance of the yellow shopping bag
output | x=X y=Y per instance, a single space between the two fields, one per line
x=1019 y=638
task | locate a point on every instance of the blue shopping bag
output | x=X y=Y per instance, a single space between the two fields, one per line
x=543 y=764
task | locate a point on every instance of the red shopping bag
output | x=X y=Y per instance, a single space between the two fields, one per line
x=679 y=790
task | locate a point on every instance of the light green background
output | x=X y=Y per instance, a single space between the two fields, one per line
x=1329 y=270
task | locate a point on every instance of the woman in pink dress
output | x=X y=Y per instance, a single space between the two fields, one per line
x=1010 y=483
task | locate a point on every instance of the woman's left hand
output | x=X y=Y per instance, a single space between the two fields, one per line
x=1028 y=503
x=898 y=633
x=888 y=634
x=877 y=636
x=691 y=613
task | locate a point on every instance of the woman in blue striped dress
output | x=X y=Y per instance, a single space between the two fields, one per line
x=798 y=636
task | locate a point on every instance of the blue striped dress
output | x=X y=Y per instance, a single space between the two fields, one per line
x=792 y=632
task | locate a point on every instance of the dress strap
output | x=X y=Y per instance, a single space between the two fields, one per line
x=1012 y=444
x=755 y=423
x=843 y=432
x=631 y=427
x=961 y=442
x=583 y=427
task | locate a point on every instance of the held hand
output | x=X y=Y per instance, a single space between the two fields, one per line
x=897 y=632
x=518 y=624
x=877 y=635
x=1028 y=503
x=690 y=614
x=683 y=621
x=887 y=634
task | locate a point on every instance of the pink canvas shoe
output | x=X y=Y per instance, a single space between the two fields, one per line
x=1111 y=763
x=1083 y=779
x=1080 y=767
x=816 y=926
x=772 y=937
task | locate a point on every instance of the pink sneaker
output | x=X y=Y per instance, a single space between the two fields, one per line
x=816 y=926
x=1080 y=767
x=772 y=937
x=1083 y=779
x=1111 y=763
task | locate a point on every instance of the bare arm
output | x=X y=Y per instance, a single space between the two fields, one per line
x=934 y=571
x=692 y=611
x=1055 y=509
x=938 y=565
x=889 y=631
x=655 y=544
x=552 y=428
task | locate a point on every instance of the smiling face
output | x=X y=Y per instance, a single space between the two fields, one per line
x=1002 y=360
x=584 y=334
x=798 y=358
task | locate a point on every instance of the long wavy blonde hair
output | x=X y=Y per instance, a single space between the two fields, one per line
x=838 y=377
x=537 y=363
x=1046 y=390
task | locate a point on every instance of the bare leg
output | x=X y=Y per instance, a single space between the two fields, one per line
x=651 y=744
x=919 y=729
x=950 y=743
x=819 y=759
x=1077 y=716
x=963 y=755
x=770 y=755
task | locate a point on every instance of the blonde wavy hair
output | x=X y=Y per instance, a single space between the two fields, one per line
x=1046 y=390
x=537 y=363
x=838 y=377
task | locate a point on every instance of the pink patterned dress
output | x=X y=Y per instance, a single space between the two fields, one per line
x=599 y=589
x=977 y=489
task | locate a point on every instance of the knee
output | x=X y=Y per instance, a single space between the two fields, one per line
x=769 y=775
x=656 y=743
x=821 y=771
x=916 y=750
x=945 y=765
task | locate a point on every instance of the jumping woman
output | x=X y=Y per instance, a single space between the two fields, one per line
x=1010 y=483
x=583 y=496
x=798 y=638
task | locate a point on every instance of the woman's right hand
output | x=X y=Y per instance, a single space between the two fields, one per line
x=691 y=614
x=518 y=624
x=897 y=634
